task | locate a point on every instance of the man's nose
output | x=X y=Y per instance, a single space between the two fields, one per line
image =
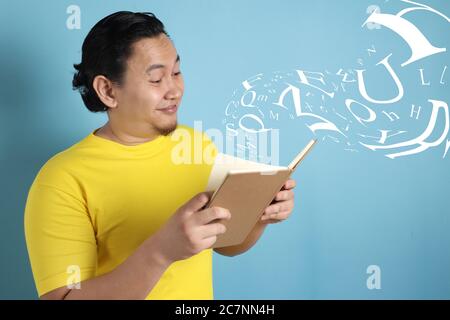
x=174 y=90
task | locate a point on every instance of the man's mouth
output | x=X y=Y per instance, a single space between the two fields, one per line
x=170 y=109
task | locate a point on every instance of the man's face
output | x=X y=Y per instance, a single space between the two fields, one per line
x=152 y=82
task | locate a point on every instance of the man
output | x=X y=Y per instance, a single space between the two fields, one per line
x=113 y=217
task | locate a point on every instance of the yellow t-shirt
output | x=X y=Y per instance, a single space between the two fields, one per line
x=94 y=203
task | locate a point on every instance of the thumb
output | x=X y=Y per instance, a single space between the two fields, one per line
x=197 y=202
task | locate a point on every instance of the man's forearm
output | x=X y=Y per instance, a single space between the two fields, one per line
x=249 y=242
x=133 y=279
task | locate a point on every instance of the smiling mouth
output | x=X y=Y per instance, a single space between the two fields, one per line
x=169 y=110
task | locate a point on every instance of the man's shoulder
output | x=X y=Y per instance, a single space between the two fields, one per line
x=61 y=165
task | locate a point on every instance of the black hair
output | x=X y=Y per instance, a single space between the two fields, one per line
x=106 y=49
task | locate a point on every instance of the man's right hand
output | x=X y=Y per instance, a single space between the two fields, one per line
x=191 y=230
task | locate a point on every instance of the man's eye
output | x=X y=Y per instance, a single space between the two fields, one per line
x=177 y=73
x=157 y=81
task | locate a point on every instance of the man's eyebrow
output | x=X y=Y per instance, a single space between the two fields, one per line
x=159 y=66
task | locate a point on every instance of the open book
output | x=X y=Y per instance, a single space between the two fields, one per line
x=246 y=188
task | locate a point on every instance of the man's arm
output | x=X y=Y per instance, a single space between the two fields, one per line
x=133 y=279
x=188 y=232
x=279 y=210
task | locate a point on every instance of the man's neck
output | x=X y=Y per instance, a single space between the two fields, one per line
x=110 y=133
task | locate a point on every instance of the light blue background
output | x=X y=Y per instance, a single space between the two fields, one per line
x=352 y=209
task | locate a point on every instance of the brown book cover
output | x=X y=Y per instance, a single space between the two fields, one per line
x=246 y=191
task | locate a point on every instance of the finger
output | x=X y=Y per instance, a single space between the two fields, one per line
x=273 y=208
x=270 y=221
x=197 y=202
x=289 y=184
x=282 y=215
x=208 y=242
x=213 y=213
x=284 y=195
x=279 y=206
x=211 y=229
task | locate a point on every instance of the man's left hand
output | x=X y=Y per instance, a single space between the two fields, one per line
x=281 y=207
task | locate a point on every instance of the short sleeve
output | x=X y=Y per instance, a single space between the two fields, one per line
x=60 y=238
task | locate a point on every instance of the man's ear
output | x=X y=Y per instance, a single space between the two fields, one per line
x=105 y=91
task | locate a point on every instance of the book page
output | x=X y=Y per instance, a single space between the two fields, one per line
x=224 y=163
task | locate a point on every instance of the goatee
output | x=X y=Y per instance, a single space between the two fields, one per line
x=168 y=130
